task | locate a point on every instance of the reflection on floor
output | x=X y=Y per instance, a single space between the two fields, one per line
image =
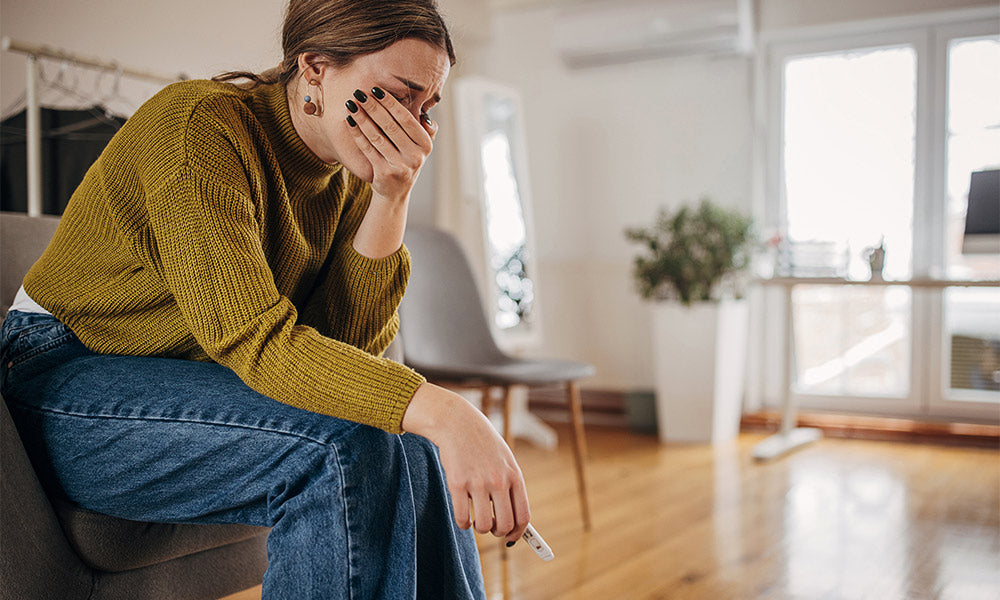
x=838 y=519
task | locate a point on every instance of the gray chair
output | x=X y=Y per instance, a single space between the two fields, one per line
x=446 y=337
x=50 y=549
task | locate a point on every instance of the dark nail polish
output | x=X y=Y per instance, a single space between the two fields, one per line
x=378 y=93
x=351 y=121
x=351 y=106
x=426 y=118
x=510 y=544
x=360 y=96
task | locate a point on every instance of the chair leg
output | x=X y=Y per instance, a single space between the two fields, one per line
x=579 y=449
x=486 y=404
x=507 y=412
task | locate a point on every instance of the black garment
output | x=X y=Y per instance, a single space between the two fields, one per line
x=71 y=142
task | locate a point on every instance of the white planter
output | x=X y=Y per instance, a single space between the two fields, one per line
x=700 y=362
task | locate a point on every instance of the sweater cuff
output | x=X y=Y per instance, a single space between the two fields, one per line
x=408 y=381
x=376 y=267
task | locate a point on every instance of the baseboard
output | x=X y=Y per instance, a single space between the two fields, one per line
x=882 y=428
x=607 y=408
x=604 y=408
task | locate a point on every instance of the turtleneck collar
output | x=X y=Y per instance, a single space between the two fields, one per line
x=299 y=165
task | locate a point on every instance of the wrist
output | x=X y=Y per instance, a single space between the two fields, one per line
x=431 y=410
x=380 y=233
x=392 y=201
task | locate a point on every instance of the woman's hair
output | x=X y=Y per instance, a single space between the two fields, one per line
x=343 y=30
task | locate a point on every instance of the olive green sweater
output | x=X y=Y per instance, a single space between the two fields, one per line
x=207 y=230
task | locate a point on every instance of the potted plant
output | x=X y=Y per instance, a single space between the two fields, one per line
x=693 y=266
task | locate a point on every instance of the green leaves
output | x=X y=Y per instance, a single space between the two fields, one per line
x=688 y=254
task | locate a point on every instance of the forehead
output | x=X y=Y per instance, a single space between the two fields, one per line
x=412 y=60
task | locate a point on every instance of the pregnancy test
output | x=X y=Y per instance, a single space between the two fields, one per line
x=537 y=543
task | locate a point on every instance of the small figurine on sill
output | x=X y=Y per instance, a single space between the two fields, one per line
x=876 y=259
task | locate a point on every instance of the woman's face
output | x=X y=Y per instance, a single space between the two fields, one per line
x=410 y=70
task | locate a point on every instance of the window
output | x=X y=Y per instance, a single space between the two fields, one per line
x=972 y=316
x=873 y=137
x=848 y=151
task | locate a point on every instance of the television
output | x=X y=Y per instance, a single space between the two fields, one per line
x=982 y=220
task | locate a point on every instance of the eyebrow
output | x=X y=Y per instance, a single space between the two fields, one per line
x=415 y=86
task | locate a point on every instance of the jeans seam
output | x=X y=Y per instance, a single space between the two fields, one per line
x=41 y=349
x=335 y=455
x=69 y=413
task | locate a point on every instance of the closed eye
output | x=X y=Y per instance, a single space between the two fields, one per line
x=404 y=99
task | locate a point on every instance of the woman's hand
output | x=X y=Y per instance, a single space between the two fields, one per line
x=486 y=485
x=396 y=143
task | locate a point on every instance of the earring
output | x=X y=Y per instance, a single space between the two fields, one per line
x=310 y=107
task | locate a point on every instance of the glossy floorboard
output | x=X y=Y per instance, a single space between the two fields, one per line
x=840 y=519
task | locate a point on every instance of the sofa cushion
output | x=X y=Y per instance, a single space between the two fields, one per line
x=112 y=544
x=22 y=241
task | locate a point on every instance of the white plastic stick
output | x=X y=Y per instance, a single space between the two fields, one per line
x=537 y=543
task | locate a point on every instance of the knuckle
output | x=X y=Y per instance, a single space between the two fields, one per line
x=471 y=487
x=399 y=177
x=497 y=481
x=479 y=487
x=524 y=519
x=392 y=129
x=415 y=164
x=504 y=525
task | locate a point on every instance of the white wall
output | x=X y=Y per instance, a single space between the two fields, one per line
x=781 y=14
x=195 y=37
x=607 y=147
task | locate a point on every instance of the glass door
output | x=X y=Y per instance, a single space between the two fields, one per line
x=877 y=138
x=848 y=156
x=969 y=382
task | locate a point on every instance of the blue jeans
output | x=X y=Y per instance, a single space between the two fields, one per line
x=355 y=512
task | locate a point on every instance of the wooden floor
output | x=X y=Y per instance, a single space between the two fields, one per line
x=840 y=519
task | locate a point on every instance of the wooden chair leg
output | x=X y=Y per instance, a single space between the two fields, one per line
x=486 y=404
x=507 y=412
x=579 y=449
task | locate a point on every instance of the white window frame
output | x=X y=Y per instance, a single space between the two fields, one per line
x=928 y=34
x=940 y=400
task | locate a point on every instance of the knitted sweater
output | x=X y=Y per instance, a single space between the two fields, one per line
x=207 y=230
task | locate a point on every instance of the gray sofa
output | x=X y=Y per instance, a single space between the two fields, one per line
x=53 y=550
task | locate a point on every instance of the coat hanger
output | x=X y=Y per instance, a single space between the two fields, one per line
x=115 y=95
x=71 y=88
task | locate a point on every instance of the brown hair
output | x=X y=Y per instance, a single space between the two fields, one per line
x=343 y=30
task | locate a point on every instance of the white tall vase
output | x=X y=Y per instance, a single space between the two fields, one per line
x=700 y=362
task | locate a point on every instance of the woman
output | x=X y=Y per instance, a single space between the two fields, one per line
x=200 y=342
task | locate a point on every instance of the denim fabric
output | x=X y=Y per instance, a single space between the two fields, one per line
x=355 y=512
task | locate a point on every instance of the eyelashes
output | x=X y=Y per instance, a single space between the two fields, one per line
x=406 y=100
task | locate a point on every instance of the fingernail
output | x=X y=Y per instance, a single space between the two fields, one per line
x=360 y=95
x=426 y=117
x=351 y=121
x=351 y=106
x=378 y=93
x=510 y=544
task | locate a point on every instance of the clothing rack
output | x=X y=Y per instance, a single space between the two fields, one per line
x=33 y=109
